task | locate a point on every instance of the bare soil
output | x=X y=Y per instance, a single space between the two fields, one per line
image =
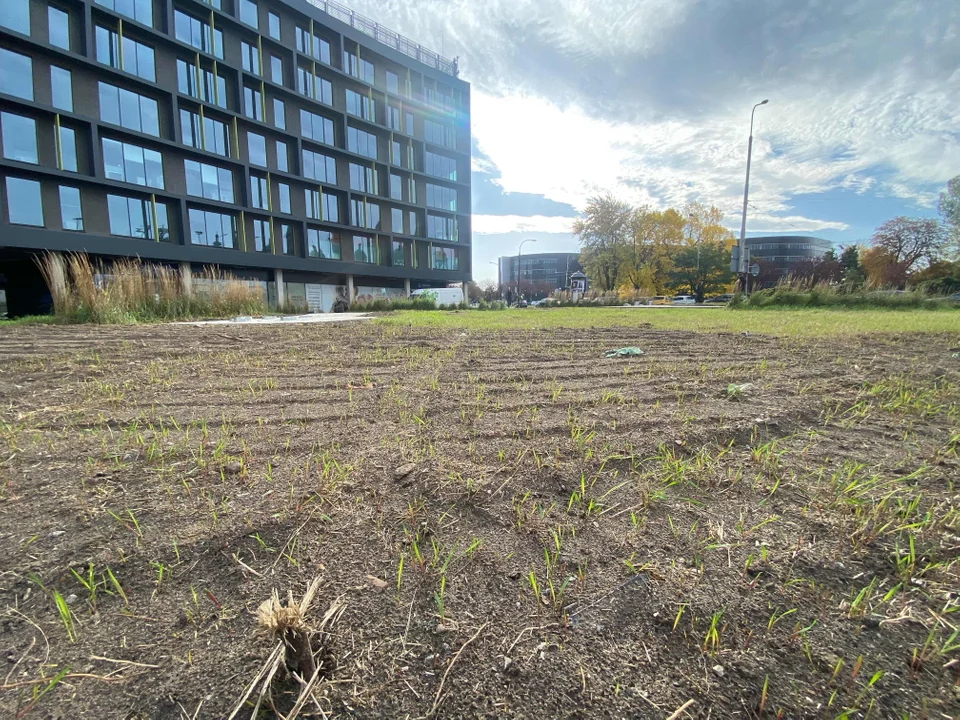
x=579 y=536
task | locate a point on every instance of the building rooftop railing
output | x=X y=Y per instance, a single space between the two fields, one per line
x=386 y=36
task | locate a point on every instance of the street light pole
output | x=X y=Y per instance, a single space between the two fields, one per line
x=519 y=254
x=742 y=270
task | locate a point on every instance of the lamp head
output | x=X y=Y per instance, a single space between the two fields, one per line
x=764 y=102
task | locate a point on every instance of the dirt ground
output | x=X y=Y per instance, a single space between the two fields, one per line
x=571 y=537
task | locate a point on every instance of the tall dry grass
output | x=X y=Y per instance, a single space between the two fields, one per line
x=129 y=291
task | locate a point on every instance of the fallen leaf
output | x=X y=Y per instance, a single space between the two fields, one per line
x=376 y=583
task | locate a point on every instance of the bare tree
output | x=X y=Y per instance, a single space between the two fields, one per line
x=910 y=243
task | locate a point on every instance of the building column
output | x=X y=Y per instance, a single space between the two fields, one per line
x=350 y=288
x=406 y=287
x=466 y=295
x=186 y=278
x=278 y=286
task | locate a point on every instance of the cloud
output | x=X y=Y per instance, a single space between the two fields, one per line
x=500 y=224
x=650 y=99
x=790 y=224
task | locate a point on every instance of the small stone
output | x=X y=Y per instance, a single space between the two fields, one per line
x=233 y=468
x=57 y=533
x=718 y=670
x=376 y=583
x=71 y=599
x=447 y=626
x=404 y=470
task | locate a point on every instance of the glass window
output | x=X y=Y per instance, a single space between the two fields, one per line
x=414 y=226
x=68 y=149
x=323 y=244
x=284 y=192
x=279 y=114
x=366 y=249
x=282 y=162
x=408 y=120
x=211 y=228
x=363 y=179
x=441 y=228
x=138 y=58
x=16 y=16
x=443 y=258
x=439 y=134
x=58 y=27
x=210 y=88
x=250 y=57
x=362 y=143
x=208 y=181
x=196 y=32
x=364 y=214
x=261 y=236
x=273 y=23
x=133 y=217
x=214 y=136
x=393 y=118
x=288 y=239
x=71 y=214
x=61 y=88
x=133 y=164
x=23 y=202
x=139 y=10
x=321 y=205
x=129 y=109
x=441 y=197
x=16 y=74
x=316 y=127
x=248 y=13
x=393 y=83
x=360 y=105
x=317 y=166
x=396 y=187
x=19 y=137
x=252 y=104
x=259 y=196
x=397 y=255
x=396 y=221
x=440 y=166
x=276 y=69
x=257 y=149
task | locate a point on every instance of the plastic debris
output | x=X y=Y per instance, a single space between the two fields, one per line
x=735 y=392
x=623 y=352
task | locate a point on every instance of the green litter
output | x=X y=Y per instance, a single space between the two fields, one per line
x=623 y=352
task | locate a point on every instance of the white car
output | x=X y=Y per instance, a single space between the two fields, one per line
x=684 y=300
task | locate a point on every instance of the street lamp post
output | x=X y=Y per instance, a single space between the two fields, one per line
x=742 y=269
x=519 y=254
x=499 y=279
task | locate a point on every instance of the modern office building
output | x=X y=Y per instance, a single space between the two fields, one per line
x=779 y=255
x=289 y=142
x=540 y=269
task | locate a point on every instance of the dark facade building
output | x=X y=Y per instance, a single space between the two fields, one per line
x=292 y=143
x=779 y=255
x=538 y=269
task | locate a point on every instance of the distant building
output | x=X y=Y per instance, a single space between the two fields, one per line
x=294 y=144
x=779 y=255
x=542 y=271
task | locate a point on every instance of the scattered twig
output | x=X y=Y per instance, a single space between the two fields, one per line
x=124 y=662
x=679 y=711
x=437 y=699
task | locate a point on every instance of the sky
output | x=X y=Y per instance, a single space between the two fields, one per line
x=650 y=100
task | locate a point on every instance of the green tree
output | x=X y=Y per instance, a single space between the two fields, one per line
x=702 y=268
x=850 y=271
x=949 y=208
x=605 y=235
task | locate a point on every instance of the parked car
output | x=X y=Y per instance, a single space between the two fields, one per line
x=684 y=300
x=660 y=300
x=720 y=299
